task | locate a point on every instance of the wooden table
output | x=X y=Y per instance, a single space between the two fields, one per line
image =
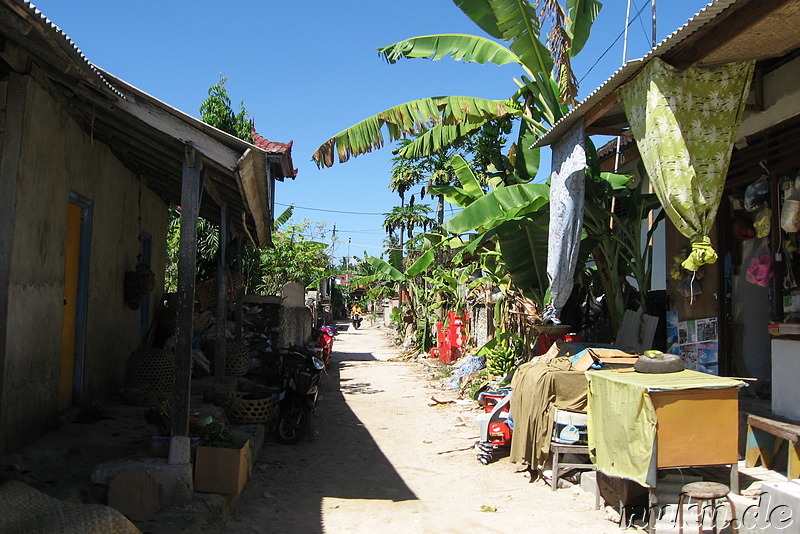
x=696 y=421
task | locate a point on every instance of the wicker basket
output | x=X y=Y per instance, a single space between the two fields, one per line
x=150 y=376
x=246 y=411
x=206 y=291
x=237 y=356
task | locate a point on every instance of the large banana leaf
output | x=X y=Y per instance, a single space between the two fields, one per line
x=499 y=206
x=519 y=24
x=405 y=119
x=482 y=14
x=523 y=244
x=582 y=14
x=383 y=271
x=527 y=159
x=421 y=264
x=466 y=177
x=440 y=137
x=461 y=47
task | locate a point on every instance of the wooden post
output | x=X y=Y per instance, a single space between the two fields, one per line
x=240 y=293
x=222 y=299
x=191 y=191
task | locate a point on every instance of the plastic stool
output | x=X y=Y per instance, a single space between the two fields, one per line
x=701 y=492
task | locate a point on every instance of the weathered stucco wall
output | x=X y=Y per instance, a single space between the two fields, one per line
x=57 y=157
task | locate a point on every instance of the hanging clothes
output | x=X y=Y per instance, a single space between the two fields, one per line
x=567 y=187
x=685 y=123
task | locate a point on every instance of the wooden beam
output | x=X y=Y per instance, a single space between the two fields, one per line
x=222 y=299
x=723 y=29
x=187 y=266
x=173 y=126
x=604 y=106
x=606 y=131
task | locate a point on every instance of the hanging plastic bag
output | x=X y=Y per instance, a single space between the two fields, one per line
x=790 y=213
x=760 y=270
x=756 y=194
x=761 y=221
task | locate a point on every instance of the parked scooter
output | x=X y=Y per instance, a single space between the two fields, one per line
x=357 y=320
x=325 y=339
x=298 y=400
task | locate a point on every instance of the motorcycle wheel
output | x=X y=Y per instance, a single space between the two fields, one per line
x=293 y=425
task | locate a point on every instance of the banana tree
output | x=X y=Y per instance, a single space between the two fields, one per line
x=545 y=88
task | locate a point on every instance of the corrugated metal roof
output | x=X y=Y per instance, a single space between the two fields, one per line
x=68 y=45
x=630 y=69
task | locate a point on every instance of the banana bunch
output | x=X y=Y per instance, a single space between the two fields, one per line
x=500 y=360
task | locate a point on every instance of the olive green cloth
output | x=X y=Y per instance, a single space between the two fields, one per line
x=685 y=123
x=622 y=420
x=539 y=388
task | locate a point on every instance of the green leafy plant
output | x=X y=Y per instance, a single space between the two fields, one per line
x=217 y=434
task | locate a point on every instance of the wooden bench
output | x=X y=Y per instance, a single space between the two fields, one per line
x=764 y=440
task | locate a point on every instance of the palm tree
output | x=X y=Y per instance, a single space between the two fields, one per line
x=546 y=88
x=405 y=219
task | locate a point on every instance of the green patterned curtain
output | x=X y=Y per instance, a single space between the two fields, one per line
x=685 y=123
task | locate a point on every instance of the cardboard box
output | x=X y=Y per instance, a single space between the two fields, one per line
x=220 y=470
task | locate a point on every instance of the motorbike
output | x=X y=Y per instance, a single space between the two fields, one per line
x=357 y=320
x=325 y=337
x=298 y=400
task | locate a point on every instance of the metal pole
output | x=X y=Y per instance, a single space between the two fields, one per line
x=653 y=5
x=625 y=39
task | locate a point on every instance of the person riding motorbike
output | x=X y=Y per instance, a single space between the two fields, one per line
x=356 y=315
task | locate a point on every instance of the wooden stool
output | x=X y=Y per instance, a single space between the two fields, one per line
x=557 y=449
x=705 y=491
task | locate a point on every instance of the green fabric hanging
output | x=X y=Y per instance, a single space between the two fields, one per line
x=685 y=123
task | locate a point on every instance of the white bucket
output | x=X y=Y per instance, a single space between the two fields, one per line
x=570 y=428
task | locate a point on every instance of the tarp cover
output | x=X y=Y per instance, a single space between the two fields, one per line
x=567 y=187
x=622 y=419
x=539 y=388
x=685 y=123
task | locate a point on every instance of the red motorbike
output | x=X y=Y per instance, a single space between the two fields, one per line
x=325 y=337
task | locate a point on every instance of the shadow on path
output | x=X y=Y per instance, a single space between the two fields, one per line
x=340 y=461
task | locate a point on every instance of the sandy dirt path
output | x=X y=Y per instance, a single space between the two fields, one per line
x=382 y=460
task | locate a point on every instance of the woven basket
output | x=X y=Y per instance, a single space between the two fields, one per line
x=206 y=291
x=237 y=356
x=150 y=376
x=27 y=510
x=245 y=411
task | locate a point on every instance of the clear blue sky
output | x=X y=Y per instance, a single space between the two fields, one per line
x=307 y=70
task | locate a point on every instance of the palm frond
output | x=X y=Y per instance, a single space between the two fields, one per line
x=460 y=47
x=406 y=119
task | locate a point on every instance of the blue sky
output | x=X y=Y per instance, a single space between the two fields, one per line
x=307 y=70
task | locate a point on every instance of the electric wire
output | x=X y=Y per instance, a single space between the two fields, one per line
x=331 y=211
x=607 y=50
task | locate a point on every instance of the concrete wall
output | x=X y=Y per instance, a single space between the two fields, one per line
x=780 y=99
x=57 y=157
x=296 y=318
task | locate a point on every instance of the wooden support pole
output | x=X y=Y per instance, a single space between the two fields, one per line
x=240 y=293
x=191 y=191
x=222 y=299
